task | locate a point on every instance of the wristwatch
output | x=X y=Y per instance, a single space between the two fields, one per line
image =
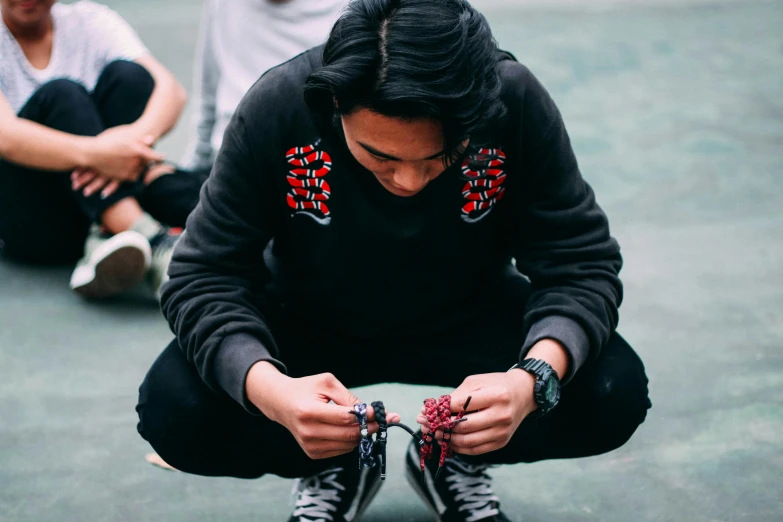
x=547 y=388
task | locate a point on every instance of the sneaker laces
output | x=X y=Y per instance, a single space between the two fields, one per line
x=318 y=496
x=474 y=489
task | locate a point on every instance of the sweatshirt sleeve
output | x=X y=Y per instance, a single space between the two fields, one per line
x=562 y=241
x=213 y=299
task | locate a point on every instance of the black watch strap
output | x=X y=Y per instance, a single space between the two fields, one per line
x=536 y=366
x=543 y=372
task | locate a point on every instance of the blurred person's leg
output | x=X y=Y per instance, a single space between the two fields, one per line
x=171 y=193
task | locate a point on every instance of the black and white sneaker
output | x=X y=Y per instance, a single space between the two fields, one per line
x=335 y=495
x=462 y=493
x=112 y=264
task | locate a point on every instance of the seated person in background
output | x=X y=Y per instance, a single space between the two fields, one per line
x=238 y=42
x=80 y=109
x=398 y=171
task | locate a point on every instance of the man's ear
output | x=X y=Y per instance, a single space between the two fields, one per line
x=336 y=105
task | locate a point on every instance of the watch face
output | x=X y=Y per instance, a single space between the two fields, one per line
x=552 y=391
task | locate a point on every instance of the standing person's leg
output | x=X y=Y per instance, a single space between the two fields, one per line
x=43 y=220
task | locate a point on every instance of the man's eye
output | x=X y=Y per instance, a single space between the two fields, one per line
x=379 y=159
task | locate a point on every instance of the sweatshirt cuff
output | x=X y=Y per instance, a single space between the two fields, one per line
x=568 y=333
x=237 y=353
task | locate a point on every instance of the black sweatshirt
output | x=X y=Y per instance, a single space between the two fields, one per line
x=357 y=260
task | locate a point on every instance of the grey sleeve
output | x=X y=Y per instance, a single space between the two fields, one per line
x=199 y=153
x=562 y=241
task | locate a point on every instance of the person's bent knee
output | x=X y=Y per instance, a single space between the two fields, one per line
x=61 y=91
x=128 y=75
x=623 y=399
x=624 y=414
x=167 y=418
x=180 y=417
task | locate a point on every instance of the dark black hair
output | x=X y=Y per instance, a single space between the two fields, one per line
x=412 y=59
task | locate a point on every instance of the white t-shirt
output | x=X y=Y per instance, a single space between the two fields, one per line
x=238 y=42
x=87 y=37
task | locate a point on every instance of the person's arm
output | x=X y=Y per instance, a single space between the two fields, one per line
x=33 y=145
x=28 y=143
x=165 y=104
x=217 y=271
x=561 y=238
x=199 y=152
x=117 y=40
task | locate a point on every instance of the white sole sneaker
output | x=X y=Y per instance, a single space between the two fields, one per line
x=117 y=265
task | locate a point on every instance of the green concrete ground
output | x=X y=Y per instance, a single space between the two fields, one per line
x=676 y=114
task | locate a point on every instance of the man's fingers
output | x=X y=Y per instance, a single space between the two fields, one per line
x=478 y=438
x=94 y=186
x=390 y=417
x=337 y=392
x=334 y=414
x=150 y=154
x=481 y=420
x=110 y=189
x=337 y=434
x=81 y=178
x=481 y=397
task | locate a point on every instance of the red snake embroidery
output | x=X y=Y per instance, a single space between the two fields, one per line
x=485 y=183
x=309 y=191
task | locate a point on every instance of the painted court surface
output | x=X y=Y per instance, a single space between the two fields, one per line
x=676 y=114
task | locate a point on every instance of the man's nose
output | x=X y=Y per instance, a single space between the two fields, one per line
x=410 y=178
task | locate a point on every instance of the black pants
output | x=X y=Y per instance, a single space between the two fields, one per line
x=199 y=431
x=42 y=220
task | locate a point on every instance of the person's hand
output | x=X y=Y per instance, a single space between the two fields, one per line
x=499 y=403
x=315 y=409
x=120 y=153
x=90 y=182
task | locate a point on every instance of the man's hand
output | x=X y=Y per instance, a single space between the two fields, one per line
x=315 y=409
x=503 y=400
x=90 y=182
x=120 y=153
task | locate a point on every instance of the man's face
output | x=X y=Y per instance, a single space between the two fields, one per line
x=26 y=14
x=404 y=155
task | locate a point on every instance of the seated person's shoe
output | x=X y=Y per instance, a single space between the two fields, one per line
x=162 y=247
x=462 y=493
x=336 y=495
x=111 y=264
